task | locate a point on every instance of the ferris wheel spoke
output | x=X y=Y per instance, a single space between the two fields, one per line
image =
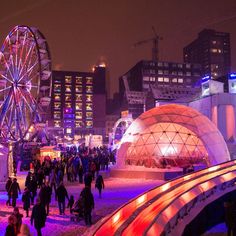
x=28 y=72
x=7 y=66
x=4 y=107
x=17 y=44
x=18 y=115
x=2 y=90
x=26 y=58
x=6 y=78
x=28 y=103
x=22 y=50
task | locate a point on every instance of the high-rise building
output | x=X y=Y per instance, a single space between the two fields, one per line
x=212 y=50
x=78 y=102
x=164 y=80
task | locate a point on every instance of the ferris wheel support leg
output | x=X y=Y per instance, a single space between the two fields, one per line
x=10 y=168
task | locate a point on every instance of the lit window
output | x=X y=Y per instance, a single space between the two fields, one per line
x=152 y=71
x=214 y=42
x=68 y=130
x=68 y=79
x=89 y=80
x=180 y=65
x=78 y=89
x=89 y=89
x=160 y=79
x=145 y=78
x=180 y=80
x=89 y=124
x=57 y=123
x=68 y=88
x=214 y=50
x=152 y=79
x=89 y=98
x=78 y=106
x=57 y=105
x=57 y=97
x=89 y=107
x=78 y=115
x=78 y=80
x=174 y=80
x=78 y=97
x=89 y=115
x=188 y=65
x=166 y=80
x=57 y=88
x=160 y=72
x=67 y=105
x=78 y=124
x=174 y=73
x=68 y=98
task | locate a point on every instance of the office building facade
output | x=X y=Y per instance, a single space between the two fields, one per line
x=78 y=102
x=212 y=51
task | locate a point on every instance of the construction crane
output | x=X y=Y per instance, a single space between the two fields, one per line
x=155 y=41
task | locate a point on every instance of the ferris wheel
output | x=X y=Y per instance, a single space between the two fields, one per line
x=25 y=82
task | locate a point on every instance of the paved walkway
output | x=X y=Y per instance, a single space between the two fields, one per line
x=116 y=193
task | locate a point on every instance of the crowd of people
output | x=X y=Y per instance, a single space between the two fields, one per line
x=75 y=164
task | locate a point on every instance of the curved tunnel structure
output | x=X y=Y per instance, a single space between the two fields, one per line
x=165 y=210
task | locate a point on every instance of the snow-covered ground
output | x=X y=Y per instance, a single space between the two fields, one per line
x=116 y=193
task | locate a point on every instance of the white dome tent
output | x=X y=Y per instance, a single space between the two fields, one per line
x=176 y=133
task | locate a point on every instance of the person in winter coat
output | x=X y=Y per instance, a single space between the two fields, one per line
x=88 y=202
x=18 y=216
x=99 y=185
x=11 y=228
x=38 y=217
x=45 y=196
x=88 y=178
x=31 y=184
x=7 y=187
x=13 y=191
x=62 y=194
x=26 y=201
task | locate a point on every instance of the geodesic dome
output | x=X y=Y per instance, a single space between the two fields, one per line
x=175 y=134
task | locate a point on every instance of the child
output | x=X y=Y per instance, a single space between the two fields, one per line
x=26 y=201
x=71 y=203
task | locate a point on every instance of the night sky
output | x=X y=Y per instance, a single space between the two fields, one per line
x=82 y=33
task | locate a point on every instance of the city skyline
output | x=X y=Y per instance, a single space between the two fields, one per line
x=81 y=34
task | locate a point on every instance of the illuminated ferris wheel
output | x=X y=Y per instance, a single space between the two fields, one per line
x=25 y=82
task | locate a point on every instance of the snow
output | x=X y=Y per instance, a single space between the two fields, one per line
x=116 y=193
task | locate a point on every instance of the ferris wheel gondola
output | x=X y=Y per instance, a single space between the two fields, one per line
x=25 y=81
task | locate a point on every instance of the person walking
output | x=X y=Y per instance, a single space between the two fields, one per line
x=62 y=194
x=7 y=187
x=26 y=201
x=11 y=228
x=19 y=217
x=88 y=178
x=31 y=184
x=38 y=216
x=88 y=201
x=45 y=196
x=14 y=190
x=99 y=185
